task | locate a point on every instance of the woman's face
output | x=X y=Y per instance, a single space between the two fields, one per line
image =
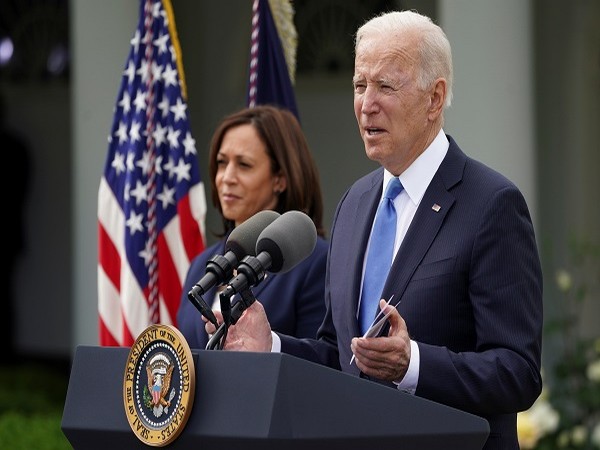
x=244 y=180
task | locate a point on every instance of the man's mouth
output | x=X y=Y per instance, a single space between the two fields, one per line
x=371 y=131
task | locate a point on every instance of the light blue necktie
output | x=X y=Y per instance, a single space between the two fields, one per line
x=381 y=252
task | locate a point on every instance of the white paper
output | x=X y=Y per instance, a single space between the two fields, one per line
x=378 y=323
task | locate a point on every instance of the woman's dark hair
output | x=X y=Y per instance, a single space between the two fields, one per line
x=289 y=154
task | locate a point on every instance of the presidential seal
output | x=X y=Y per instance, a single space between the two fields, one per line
x=159 y=384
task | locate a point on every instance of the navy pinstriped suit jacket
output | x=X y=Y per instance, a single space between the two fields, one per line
x=469 y=283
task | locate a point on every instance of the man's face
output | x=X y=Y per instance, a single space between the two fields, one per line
x=391 y=110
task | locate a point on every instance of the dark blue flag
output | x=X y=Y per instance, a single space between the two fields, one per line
x=271 y=73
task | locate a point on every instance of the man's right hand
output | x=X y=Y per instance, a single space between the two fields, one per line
x=251 y=332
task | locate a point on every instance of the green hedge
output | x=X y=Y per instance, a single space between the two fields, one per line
x=32 y=396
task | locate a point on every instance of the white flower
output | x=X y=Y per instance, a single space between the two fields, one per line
x=536 y=422
x=593 y=371
x=544 y=416
x=527 y=431
x=595 y=438
x=563 y=280
x=578 y=434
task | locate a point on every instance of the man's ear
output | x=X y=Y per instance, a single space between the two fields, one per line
x=437 y=98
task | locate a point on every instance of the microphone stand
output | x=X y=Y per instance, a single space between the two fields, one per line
x=217 y=340
x=247 y=299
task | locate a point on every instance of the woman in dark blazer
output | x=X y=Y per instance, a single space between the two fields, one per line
x=260 y=160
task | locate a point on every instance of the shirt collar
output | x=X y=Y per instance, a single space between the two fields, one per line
x=416 y=178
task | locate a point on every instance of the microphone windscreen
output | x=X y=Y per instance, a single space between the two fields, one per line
x=288 y=240
x=242 y=240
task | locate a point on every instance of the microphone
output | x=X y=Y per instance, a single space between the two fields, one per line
x=241 y=242
x=282 y=245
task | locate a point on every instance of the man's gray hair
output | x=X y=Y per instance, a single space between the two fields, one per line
x=434 y=48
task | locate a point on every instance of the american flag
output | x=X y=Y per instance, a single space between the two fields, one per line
x=272 y=55
x=151 y=200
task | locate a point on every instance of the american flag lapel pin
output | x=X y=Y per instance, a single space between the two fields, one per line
x=436 y=207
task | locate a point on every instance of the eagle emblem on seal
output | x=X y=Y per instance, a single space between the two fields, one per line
x=157 y=396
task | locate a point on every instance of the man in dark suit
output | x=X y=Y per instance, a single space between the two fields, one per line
x=465 y=283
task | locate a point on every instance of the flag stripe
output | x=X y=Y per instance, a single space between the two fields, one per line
x=188 y=225
x=169 y=276
x=197 y=208
x=134 y=305
x=110 y=316
x=175 y=246
x=108 y=255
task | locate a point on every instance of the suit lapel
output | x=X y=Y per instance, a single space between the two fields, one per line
x=434 y=207
x=424 y=227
